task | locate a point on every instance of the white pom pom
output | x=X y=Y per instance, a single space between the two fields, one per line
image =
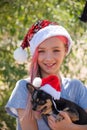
x=20 y=55
x=37 y=82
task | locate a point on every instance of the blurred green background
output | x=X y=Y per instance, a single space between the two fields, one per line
x=16 y=16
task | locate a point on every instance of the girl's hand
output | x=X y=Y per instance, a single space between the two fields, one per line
x=64 y=124
x=27 y=117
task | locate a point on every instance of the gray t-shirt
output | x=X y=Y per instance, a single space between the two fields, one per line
x=72 y=89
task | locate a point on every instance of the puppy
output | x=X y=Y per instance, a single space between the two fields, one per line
x=44 y=103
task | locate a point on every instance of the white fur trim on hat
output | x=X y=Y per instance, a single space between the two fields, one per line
x=50 y=90
x=37 y=82
x=47 y=32
x=20 y=55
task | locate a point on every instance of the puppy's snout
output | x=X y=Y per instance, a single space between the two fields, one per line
x=34 y=107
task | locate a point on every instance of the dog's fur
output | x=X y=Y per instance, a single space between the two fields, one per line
x=44 y=103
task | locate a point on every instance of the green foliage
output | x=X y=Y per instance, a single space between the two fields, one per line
x=16 y=16
x=9 y=74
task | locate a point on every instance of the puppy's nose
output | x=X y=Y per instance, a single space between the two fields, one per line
x=34 y=107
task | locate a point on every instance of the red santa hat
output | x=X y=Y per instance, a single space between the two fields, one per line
x=50 y=85
x=39 y=32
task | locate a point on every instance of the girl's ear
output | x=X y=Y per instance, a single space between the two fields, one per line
x=30 y=87
x=65 y=53
x=66 y=49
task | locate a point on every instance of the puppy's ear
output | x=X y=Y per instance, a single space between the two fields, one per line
x=30 y=87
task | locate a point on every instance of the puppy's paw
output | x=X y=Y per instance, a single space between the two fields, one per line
x=59 y=117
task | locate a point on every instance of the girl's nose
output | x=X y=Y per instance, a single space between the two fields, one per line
x=49 y=56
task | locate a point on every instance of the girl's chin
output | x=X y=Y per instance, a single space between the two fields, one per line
x=50 y=73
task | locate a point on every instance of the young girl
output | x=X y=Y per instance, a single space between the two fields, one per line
x=49 y=44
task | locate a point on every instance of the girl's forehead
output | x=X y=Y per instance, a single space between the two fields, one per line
x=51 y=42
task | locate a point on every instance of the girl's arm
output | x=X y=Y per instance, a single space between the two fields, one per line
x=27 y=120
x=27 y=117
x=65 y=124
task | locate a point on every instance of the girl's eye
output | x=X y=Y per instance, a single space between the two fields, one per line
x=41 y=51
x=56 y=50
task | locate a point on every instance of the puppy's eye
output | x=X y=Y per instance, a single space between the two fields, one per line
x=41 y=102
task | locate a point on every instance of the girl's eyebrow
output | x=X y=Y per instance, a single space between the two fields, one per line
x=56 y=47
x=52 y=47
x=41 y=48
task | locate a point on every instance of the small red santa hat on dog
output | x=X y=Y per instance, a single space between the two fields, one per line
x=50 y=85
x=39 y=32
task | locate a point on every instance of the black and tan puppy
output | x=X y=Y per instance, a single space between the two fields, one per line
x=44 y=103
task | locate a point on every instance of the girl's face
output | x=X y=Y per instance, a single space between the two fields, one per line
x=51 y=53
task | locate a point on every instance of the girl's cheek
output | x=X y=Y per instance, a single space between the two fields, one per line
x=41 y=56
